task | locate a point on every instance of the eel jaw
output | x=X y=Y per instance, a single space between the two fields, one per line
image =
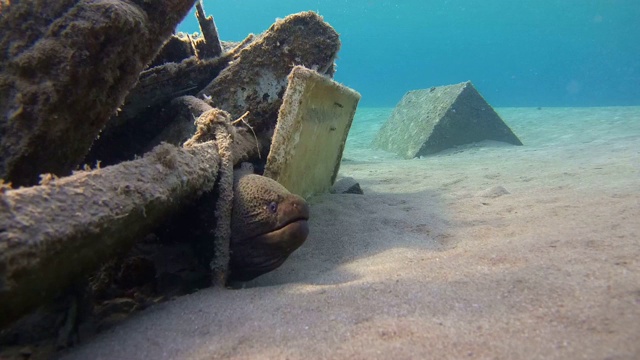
x=261 y=254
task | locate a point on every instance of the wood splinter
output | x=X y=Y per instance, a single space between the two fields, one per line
x=213 y=46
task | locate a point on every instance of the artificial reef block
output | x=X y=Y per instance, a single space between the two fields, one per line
x=427 y=121
x=313 y=124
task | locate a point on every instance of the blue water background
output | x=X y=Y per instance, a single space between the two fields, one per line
x=516 y=52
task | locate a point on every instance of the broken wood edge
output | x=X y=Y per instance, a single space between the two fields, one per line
x=209 y=31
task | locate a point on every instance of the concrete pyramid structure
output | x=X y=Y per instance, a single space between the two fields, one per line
x=431 y=120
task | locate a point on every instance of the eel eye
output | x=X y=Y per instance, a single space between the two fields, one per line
x=273 y=207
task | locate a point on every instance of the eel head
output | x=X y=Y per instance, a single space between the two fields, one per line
x=268 y=223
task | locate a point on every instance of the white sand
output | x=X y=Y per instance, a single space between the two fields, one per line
x=437 y=261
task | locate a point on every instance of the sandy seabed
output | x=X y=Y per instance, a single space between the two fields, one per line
x=483 y=251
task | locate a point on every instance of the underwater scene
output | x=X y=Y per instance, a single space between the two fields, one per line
x=325 y=179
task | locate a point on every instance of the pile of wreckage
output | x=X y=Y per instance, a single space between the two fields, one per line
x=114 y=132
x=119 y=140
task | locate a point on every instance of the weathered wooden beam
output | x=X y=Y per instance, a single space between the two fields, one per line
x=209 y=31
x=257 y=78
x=161 y=84
x=56 y=232
x=65 y=67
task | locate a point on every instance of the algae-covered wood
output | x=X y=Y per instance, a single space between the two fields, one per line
x=66 y=71
x=257 y=79
x=56 y=232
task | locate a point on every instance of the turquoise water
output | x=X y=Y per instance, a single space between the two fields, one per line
x=517 y=53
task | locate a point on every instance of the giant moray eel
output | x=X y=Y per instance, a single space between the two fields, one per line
x=268 y=223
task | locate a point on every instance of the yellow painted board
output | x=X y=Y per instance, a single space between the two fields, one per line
x=313 y=124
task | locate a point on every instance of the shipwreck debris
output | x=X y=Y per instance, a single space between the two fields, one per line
x=255 y=65
x=161 y=84
x=213 y=46
x=66 y=72
x=182 y=110
x=59 y=89
x=313 y=124
x=179 y=47
x=430 y=120
x=147 y=110
x=62 y=229
x=257 y=79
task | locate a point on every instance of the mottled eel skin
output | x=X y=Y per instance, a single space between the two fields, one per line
x=268 y=223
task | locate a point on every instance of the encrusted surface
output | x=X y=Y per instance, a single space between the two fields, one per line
x=257 y=79
x=62 y=229
x=65 y=67
x=313 y=124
